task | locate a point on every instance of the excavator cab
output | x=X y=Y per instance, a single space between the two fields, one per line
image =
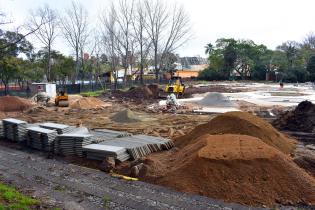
x=62 y=99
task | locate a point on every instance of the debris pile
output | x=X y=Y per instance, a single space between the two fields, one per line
x=88 y=103
x=216 y=100
x=240 y=123
x=238 y=168
x=302 y=118
x=126 y=116
x=14 y=104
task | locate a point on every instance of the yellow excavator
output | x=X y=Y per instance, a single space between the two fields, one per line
x=175 y=86
x=62 y=99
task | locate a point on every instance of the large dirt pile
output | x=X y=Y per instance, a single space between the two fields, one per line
x=301 y=119
x=125 y=116
x=240 y=123
x=217 y=100
x=238 y=168
x=88 y=103
x=14 y=104
x=137 y=93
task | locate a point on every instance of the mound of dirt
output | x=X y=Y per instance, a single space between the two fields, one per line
x=240 y=123
x=137 y=93
x=14 y=104
x=238 y=168
x=301 y=119
x=125 y=116
x=217 y=100
x=88 y=103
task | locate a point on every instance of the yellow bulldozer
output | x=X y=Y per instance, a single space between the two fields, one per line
x=175 y=86
x=62 y=98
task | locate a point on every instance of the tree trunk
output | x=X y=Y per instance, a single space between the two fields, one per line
x=49 y=65
x=156 y=66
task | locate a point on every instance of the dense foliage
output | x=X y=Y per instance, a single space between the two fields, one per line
x=244 y=59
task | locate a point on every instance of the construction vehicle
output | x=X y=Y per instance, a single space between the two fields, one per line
x=41 y=98
x=175 y=86
x=62 y=99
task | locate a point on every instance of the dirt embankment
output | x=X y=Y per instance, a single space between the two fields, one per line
x=240 y=123
x=237 y=168
x=87 y=103
x=14 y=104
x=302 y=118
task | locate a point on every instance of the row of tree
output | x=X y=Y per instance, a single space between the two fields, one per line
x=291 y=61
x=128 y=34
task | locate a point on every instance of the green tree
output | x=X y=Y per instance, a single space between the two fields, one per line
x=9 y=66
x=311 y=67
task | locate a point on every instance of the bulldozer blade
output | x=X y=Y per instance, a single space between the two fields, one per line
x=63 y=103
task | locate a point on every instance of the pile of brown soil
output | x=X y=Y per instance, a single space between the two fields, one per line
x=238 y=168
x=240 y=123
x=301 y=119
x=125 y=116
x=88 y=103
x=14 y=104
x=136 y=93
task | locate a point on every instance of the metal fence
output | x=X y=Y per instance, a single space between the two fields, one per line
x=81 y=88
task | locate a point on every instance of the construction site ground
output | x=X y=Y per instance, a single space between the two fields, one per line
x=57 y=183
x=59 y=180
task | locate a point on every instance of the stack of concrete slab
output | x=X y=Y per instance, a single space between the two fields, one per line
x=99 y=152
x=100 y=135
x=14 y=129
x=41 y=138
x=60 y=128
x=1 y=130
x=72 y=143
x=140 y=145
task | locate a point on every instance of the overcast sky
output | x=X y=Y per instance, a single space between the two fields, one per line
x=268 y=22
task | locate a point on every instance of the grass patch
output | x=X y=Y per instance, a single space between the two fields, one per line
x=93 y=93
x=106 y=202
x=11 y=199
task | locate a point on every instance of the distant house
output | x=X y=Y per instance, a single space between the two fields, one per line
x=189 y=67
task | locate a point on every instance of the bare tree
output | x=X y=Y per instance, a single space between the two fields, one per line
x=178 y=32
x=169 y=28
x=108 y=23
x=75 y=30
x=46 y=32
x=156 y=24
x=141 y=35
x=124 y=16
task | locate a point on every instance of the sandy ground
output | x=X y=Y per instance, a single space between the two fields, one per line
x=154 y=123
x=58 y=183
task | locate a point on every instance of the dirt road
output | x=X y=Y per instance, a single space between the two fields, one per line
x=57 y=183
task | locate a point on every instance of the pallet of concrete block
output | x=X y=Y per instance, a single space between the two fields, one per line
x=14 y=129
x=140 y=145
x=41 y=138
x=71 y=143
x=99 y=152
x=60 y=128
x=100 y=135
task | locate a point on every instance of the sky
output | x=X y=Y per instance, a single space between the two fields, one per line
x=269 y=22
